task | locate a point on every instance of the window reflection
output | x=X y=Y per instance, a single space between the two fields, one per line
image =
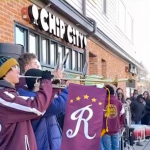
x=60 y=51
x=48 y=52
x=79 y=62
x=74 y=60
x=68 y=59
x=52 y=53
x=44 y=50
x=20 y=36
x=32 y=45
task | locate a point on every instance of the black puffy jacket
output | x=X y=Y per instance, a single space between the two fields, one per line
x=137 y=110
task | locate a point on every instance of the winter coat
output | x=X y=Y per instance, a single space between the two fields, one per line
x=46 y=129
x=16 y=132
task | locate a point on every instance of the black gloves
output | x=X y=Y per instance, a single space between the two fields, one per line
x=47 y=75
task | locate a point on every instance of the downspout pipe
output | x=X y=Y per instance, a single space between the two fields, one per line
x=84 y=7
x=92 y=20
x=94 y=29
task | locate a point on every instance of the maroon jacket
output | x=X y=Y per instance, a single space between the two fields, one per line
x=116 y=118
x=16 y=132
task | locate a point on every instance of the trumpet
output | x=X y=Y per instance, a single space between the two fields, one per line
x=96 y=81
x=83 y=81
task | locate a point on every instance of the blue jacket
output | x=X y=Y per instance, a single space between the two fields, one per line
x=47 y=130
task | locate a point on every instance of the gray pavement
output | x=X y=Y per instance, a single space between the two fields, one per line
x=146 y=146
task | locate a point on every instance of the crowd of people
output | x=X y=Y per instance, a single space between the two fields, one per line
x=137 y=111
x=32 y=111
x=140 y=109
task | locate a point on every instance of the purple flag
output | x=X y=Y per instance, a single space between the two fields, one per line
x=83 y=118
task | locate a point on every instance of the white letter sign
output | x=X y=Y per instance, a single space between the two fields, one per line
x=79 y=118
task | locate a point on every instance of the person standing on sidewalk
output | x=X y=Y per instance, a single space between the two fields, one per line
x=120 y=95
x=137 y=111
x=146 y=119
x=135 y=95
x=110 y=139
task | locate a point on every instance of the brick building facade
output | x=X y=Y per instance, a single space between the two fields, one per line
x=102 y=60
x=106 y=63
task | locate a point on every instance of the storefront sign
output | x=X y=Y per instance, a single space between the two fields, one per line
x=52 y=24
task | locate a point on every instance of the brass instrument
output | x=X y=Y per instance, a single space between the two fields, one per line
x=96 y=81
x=83 y=79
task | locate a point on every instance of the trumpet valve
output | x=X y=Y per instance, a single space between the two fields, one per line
x=56 y=81
x=130 y=79
x=115 y=82
x=82 y=82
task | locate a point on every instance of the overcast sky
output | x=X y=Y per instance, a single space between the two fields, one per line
x=140 y=10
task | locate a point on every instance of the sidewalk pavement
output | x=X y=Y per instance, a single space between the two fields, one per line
x=146 y=146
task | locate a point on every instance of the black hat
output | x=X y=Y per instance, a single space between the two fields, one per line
x=31 y=81
x=5 y=64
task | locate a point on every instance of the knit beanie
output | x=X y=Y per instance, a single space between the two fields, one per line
x=31 y=81
x=6 y=63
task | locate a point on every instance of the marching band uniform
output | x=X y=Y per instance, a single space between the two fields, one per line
x=113 y=123
x=46 y=129
x=16 y=132
x=21 y=84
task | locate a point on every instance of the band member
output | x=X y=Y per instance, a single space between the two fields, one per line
x=115 y=120
x=48 y=123
x=27 y=61
x=16 y=132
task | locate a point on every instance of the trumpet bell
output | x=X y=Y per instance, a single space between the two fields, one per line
x=92 y=77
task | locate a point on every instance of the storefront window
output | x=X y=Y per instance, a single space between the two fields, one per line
x=44 y=52
x=80 y=62
x=61 y=52
x=33 y=44
x=52 y=53
x=68 y=62
x=20 y=36
x=47 y=50
x=74 y=60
